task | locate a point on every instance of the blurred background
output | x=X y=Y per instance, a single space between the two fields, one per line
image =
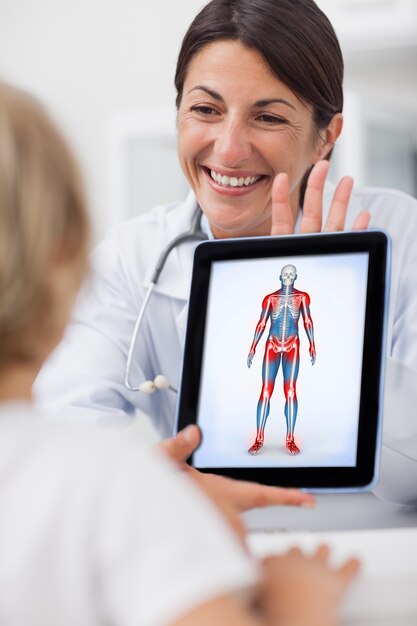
x=105 y=68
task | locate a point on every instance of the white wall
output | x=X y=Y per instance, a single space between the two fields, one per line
x=89 y=59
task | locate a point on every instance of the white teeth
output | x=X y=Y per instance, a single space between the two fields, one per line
x=232 y=181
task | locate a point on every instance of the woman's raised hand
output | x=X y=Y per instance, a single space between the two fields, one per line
x=283 y=222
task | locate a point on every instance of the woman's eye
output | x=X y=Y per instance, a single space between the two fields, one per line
x=204 y=110
x=270 y=119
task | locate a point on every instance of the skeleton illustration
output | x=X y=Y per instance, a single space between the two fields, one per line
x=282 y=308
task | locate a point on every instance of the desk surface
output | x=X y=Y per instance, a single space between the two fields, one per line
x=383 y=536
x=359 y=511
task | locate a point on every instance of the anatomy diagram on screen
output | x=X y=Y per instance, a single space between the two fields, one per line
x=282 y=309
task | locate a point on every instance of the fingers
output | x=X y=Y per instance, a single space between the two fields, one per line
x=322 y=554
x=247 y=495
x=293 y=497
x=296 y=553
x=337 y=213
x=362 y=221
x=311 y=219
x=349 y=570
x=260 y=496
x=313 y=356
x=180 y=447
x=282 y=216
x=313 y=199
x=345 y=572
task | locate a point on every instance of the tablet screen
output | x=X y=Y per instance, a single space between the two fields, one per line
x=298 y=402
x=283 y=359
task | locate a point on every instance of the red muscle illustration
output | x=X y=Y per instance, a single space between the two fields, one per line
x=282 y=309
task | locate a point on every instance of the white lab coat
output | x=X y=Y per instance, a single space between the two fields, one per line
x=86 y=372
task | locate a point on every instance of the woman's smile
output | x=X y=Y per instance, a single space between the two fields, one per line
x=233 y=183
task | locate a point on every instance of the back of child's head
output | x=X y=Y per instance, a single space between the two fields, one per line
x=43 y=223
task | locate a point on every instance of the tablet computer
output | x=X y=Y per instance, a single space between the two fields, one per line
x=284 y=357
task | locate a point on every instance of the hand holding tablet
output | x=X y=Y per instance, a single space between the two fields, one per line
x=265 y=413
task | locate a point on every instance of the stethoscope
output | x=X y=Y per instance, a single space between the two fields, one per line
x=195 y=233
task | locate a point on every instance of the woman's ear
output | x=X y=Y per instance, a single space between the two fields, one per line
x=328 y=137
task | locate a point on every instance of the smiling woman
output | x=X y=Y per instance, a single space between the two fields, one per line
x=239 y=126
x=259 y=109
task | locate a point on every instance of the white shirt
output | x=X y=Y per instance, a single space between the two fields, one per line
x=87 y=370
x=95 y=530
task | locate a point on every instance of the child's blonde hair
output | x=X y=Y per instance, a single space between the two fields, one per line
x=43 y=220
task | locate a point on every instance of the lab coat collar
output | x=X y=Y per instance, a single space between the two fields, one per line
x=174 y=281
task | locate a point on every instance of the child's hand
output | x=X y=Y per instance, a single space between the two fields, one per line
x=301 y=590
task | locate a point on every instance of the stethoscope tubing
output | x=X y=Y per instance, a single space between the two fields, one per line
x=194 y=234
x=135 y=336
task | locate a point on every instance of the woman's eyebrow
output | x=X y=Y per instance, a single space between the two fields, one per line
x=210 y=92
x=258 y=104
x=264 y=103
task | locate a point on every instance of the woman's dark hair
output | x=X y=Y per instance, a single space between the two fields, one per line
x=294 y=37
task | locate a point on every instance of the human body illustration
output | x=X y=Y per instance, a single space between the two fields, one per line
x=282 y=308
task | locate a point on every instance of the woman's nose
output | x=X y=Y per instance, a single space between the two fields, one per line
x=233 y=144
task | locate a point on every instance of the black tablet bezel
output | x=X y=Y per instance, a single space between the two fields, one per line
x=376 y=244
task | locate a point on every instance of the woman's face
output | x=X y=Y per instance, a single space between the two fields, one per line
x=238 y=127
